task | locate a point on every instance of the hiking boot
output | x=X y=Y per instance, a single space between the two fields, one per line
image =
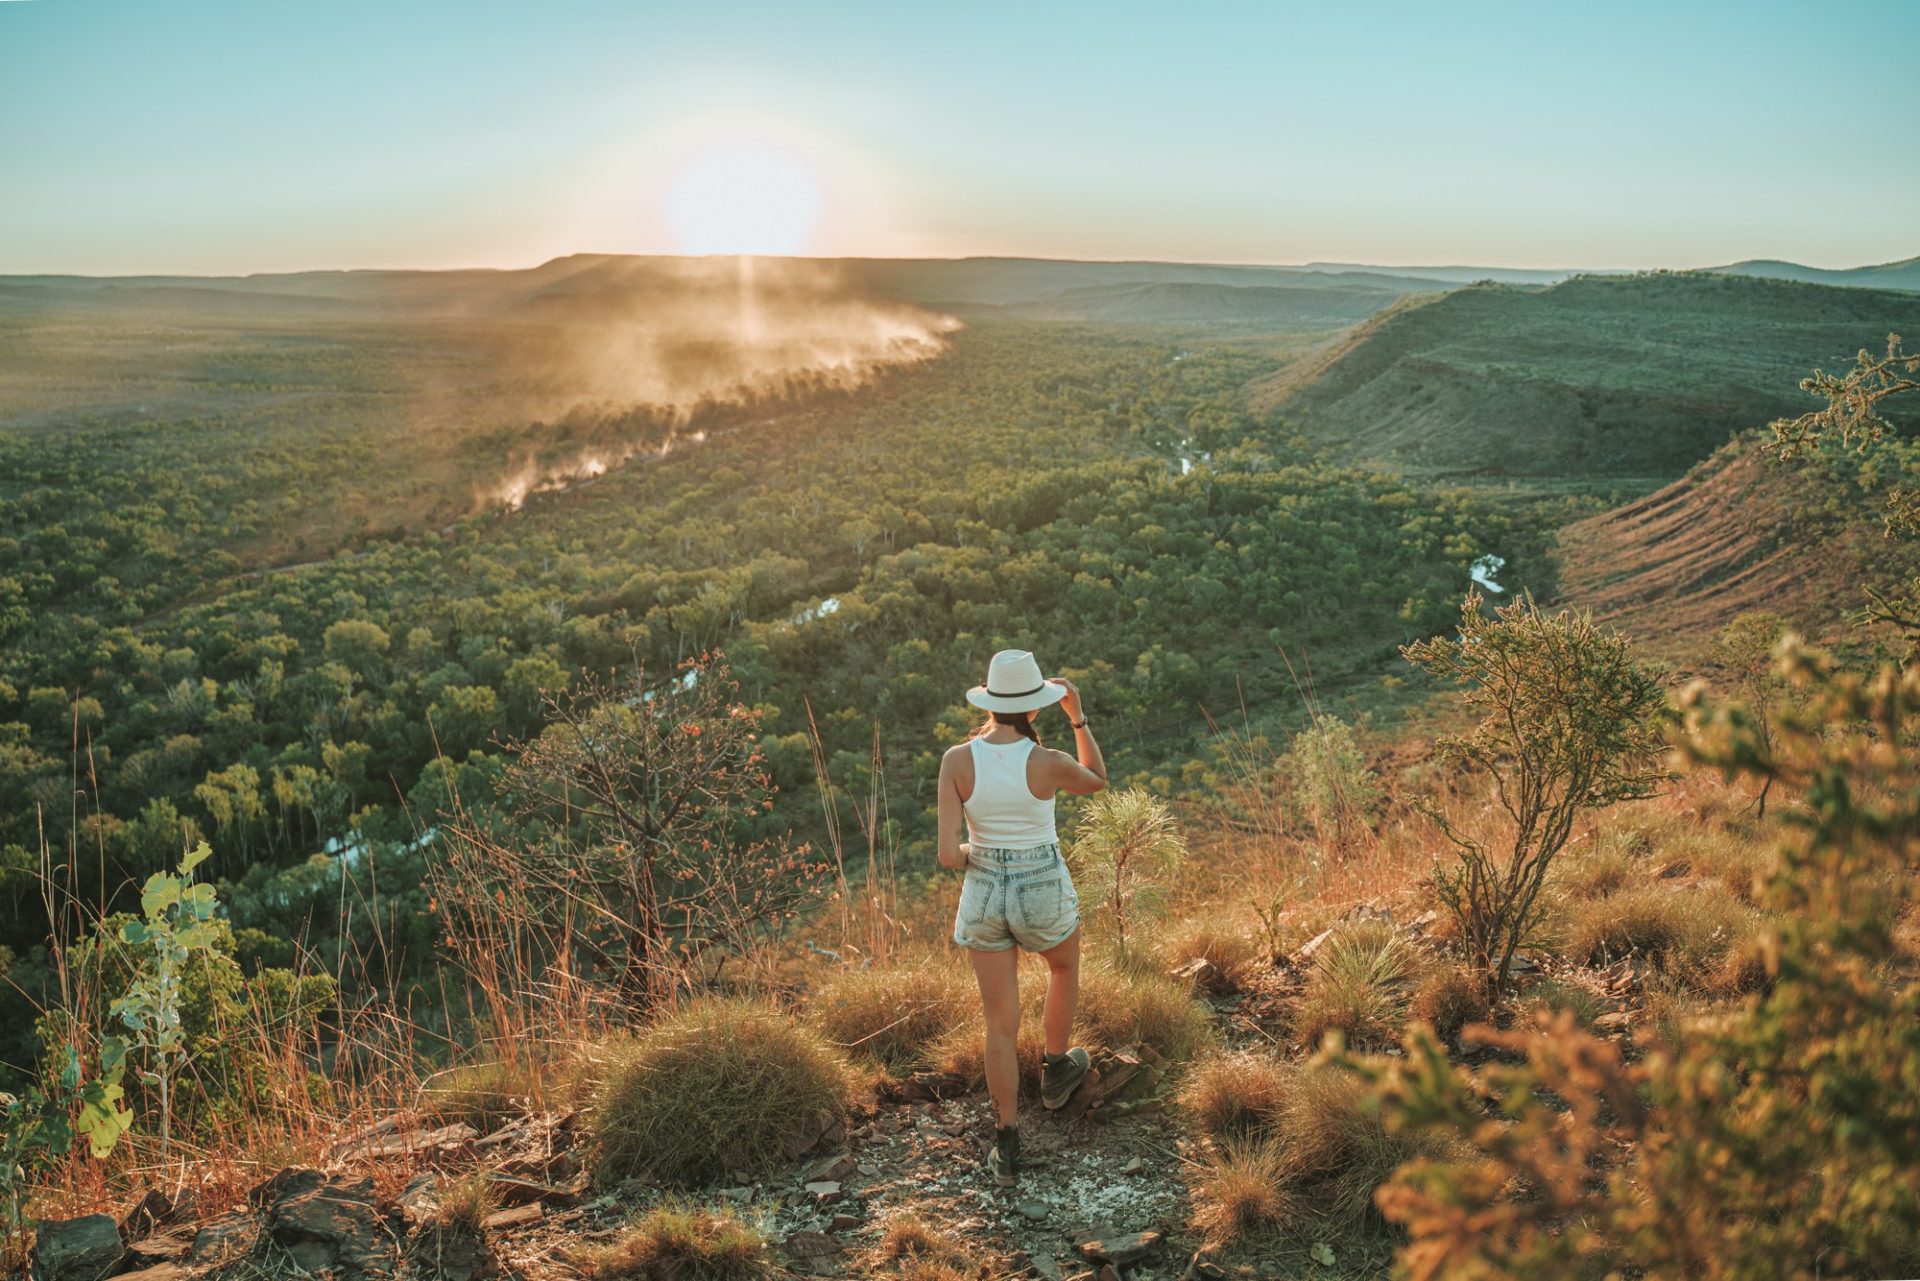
x=1003 y=1158
x=1061 y=1075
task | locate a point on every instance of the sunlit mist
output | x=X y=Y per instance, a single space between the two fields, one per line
x=616 y=360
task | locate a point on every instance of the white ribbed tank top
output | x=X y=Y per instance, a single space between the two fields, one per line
x=1003 y=813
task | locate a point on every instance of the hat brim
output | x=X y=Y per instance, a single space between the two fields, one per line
x=1046 y=696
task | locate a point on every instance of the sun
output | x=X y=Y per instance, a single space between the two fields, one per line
x=742 y=198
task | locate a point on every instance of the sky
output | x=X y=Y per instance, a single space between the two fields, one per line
x=233 y=136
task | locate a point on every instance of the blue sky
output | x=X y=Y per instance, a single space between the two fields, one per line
x=223 y=136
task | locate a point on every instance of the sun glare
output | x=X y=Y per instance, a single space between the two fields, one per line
x=742 y=198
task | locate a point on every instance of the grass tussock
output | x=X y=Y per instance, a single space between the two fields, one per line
x=465 y=1205
x=488 y=1094
x=1323 y=1150
x=1244 y=1193
x=1233 y=955
x=1684 y=932
x=1119 y=1007
x=1612 y=863
x=1557 y=995
x=913 y=1247
x=1361 y=983
x=1232 y=1096
x=1447 y=998
x=680 y=1243
x=894 y=1016
x=732 y=1084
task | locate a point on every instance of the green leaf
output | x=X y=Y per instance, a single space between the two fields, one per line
x=113 y=1057
x=195 y=857
x=70 y=1071
x=1322 y=1254
x=135 y=932
x=103 y=1120
x=161 y=892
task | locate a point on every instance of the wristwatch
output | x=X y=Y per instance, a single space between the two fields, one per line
x=1079 y=724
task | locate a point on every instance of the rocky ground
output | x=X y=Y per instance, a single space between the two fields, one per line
x=1101 y=1196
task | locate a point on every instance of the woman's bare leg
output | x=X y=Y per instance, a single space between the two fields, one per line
x=1063 y=991
x=999 y=978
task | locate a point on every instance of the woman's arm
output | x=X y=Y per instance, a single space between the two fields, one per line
x=1085 y=772
x=952 y=851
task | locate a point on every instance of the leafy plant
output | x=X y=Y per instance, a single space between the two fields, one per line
x=1568 y=722
x=1126 y=852
x=1782 y=1140
x=1332 y=785
x=177 y=927
x=38 y=1126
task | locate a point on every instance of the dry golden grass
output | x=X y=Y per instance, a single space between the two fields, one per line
x=893 y=1016
x=1360 y=984
x=680 y=1243
x=1243 y=1193
x=488 y=1093
x=1447 y=998
x=1560 y=994
x=466 y=1203
x=913 y=1247
x=1232 y=953
x=1118 y=1008
x=1233 y=1095
x=730 y=1084
x=1683 y=931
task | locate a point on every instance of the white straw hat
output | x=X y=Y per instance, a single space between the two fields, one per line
x=1014 y=684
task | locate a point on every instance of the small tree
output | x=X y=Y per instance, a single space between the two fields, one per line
x=1568 y=722
x=1125 y=852
x=178 y=926
x=1852 y=420
x=625 y=838
x=1746 y=647
x=1331 y=782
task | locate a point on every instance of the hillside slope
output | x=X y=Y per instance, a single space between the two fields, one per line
x=1740 y=532
x=1633 y=378
x=1187 y=303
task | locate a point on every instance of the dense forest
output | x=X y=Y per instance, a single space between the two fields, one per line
x=253 y=593
x=1104 y=495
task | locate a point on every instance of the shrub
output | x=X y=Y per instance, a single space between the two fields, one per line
x=1232 y=955
x=1360 y=984
x=722 y=1085
x=1234 y=1095
x=891 y=1016
x=1243 y=1191
x=679 y=1243
x=1567 y=723
x=1448 y=998
x=1776 y=1140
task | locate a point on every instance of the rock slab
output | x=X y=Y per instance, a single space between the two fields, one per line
x=83 y=1249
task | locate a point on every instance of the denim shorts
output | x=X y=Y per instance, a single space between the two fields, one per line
x=1016 y=896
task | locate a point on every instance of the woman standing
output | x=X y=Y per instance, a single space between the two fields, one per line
x=1017 y=894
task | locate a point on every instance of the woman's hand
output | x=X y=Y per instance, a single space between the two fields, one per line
x=963 y=851
x=1071 y=703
